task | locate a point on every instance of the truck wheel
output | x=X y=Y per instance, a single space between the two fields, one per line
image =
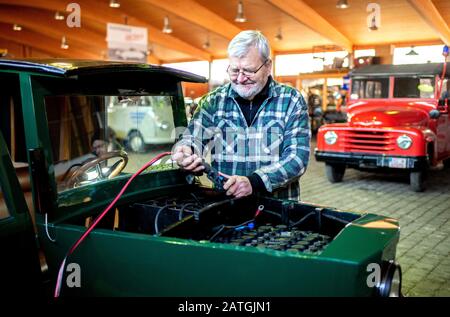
x=136 y=142
x=416 y=180
x=447 y=163
x=335 y=173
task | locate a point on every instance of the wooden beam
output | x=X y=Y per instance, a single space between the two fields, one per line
x=300 y=11
x=153 y=60
x=44 y=43
x=194 y=12
x=42 y=21
x=429 y=13
x=100 y=11
x=16 y=50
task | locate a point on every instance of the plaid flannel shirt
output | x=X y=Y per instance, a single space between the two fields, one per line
x=275 y=146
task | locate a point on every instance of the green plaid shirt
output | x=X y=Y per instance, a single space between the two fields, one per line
x=275 y=146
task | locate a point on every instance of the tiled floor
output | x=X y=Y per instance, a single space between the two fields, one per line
x=424 y=247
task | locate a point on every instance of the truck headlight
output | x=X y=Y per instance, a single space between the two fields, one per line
x=391 y=283
x=404 y=142
x=330 y=137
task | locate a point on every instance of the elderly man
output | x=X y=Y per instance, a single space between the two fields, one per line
x=256 y=128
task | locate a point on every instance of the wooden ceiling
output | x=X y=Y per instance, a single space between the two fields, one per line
x=304 y=24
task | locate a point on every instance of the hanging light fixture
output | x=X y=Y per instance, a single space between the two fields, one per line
x=59 y=16
x=373 y=26
x=167 y=28
x=114 y=4
x=207 y=44
x=342 y=4
x=412 y=52
x=64 y=44
x=240 y=17
x=17 y=27
x=279 y=36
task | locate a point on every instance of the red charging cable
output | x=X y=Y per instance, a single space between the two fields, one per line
x=100 y=217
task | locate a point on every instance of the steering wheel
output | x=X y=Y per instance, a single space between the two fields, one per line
x=113 y=171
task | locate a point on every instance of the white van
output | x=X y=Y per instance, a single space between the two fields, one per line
x=142 y=120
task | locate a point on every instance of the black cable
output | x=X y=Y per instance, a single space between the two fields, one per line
x=303 y=219
x=217 y=232
x=335 y=218
x=157 y=215
x=217 y=204
x=183 y=207
x=196 y=199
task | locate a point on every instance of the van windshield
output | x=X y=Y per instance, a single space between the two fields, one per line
x=95 y=138
x=413 y=87
x=370 y=88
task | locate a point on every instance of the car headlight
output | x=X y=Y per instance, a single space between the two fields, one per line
x=391 y=282
x=330 y=137
x=404 y=142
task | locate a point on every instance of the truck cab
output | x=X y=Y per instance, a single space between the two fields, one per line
x=397 y=121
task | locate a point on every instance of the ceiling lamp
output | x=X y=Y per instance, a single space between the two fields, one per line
x=17 y=27
x=59 y=16
x=412 y=52
x=373 y=25
x=114 y=4
x=240 y=17
x=279 y=36
x=342 y=4
x=207 y=44
x=64 y=44
x=167 y=28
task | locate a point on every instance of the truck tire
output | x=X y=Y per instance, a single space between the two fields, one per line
x=335 y=173
x=416 y=181
x=135 y=142
x=447 y=163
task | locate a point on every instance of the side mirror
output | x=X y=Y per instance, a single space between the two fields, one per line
x=434 y=114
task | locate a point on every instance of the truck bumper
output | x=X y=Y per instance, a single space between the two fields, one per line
x=363 y=160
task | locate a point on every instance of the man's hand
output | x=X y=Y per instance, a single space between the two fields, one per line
x=186 y=160
x=238 y=186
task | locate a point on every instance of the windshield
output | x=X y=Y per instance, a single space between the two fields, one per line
x=414 y=87
x=370 y=88
x=95 y=138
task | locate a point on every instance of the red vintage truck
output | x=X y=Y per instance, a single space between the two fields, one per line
x=397 y=120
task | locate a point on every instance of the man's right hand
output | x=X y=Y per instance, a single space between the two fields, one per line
x=187 y=160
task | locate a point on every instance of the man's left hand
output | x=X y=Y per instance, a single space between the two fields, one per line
x=238 y=186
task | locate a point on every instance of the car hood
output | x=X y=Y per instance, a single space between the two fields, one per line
x=388 y=115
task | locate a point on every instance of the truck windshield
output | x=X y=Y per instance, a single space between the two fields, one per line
x=95 y=138
x=370 y=88
x=414 y=87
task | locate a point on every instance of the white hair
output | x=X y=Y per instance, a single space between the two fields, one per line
x=241 y=43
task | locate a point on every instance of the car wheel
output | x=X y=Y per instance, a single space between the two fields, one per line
x=417 y=180
x=447 y=163
x=136 y=142
x=335 y=173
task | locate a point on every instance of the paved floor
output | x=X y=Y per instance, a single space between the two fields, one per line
x=424 y=247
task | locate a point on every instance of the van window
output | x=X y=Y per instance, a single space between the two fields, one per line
x=413 y=87
x=107 y=130
x=370 y=88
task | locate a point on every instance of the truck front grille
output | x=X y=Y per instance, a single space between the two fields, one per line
x=367 y=141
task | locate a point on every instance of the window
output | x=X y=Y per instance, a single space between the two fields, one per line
x=99 y=137
x=414 y=87
x=370 y=88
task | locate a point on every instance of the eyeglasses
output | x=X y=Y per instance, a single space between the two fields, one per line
x=234 y=72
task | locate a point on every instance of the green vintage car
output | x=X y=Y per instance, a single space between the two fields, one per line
x=167 y=235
